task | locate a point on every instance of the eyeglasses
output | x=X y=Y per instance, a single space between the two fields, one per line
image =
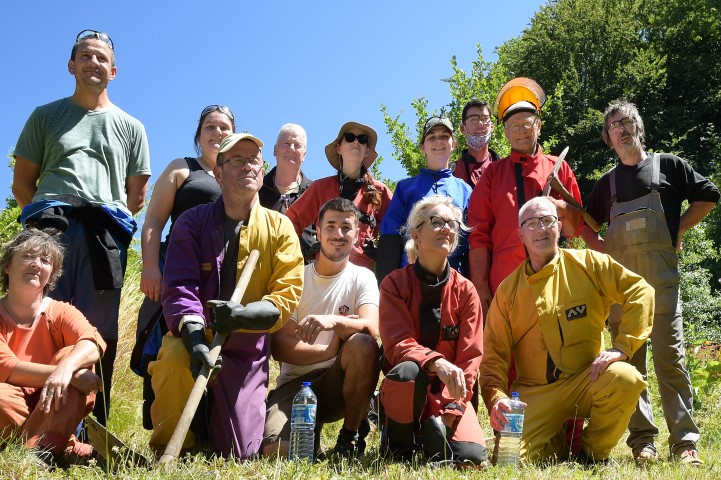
x=29 y=258
x=351 y=137
x=518 y=126
x=547 y=221
x=85 y=34
x=440 y=222
x=219 y=108
x=253 y=162
x=627 y=123
x=474 y=120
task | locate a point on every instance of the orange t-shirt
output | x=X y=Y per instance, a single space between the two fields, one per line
x=59 y=325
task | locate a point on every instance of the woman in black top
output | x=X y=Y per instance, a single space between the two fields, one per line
x=185 y=183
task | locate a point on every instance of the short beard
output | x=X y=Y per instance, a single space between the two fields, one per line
x=333 y=257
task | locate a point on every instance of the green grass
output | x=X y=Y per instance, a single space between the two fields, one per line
x=125 y=422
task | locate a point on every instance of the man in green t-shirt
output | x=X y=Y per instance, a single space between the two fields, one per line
x=81 y=163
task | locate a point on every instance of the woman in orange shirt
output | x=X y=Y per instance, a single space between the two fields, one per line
x=47 y=352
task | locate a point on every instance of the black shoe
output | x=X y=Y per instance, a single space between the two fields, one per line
x=587 y=460
x=349 y=444
x=44 y=459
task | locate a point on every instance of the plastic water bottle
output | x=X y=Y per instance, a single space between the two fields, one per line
x=509 y=445
x=302 y=424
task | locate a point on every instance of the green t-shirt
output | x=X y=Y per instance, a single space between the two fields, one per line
x=83 y=152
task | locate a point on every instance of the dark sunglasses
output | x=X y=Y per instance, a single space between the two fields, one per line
x=85 y=34
x=219 y=108
x=351 y=137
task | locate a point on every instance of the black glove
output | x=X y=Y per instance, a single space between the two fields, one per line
x=231 y=316
x=193 y=335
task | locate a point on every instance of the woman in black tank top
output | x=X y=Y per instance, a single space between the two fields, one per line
x=185 y=183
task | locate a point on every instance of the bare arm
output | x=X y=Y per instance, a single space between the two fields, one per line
x=366 y=321
x=287 y=347
x=56 y=379
x=136 y=188
x=25 y=178
x=695 y=212
x=159 y=210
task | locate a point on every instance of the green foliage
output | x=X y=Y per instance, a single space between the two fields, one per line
x=9 y=226
x=483 y=82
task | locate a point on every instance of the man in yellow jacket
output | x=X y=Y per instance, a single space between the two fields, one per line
x=550 y=313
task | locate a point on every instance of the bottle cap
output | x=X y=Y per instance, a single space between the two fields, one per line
x=306 y=384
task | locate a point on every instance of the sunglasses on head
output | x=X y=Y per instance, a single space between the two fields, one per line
x=219 y=108
x=351 y=137
x=85 y=34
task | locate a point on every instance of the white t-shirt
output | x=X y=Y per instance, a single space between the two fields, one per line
x=340 y=294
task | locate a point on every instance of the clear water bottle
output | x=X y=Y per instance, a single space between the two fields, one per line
x=509 y=445
x=302 y=424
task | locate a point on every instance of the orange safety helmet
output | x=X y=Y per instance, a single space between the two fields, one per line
x=521 y=93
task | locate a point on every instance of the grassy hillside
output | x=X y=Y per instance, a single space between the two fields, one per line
x=125 y=422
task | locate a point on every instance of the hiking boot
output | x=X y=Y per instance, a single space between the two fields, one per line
x=350 y=444
x=689 y=457
x=645 y=455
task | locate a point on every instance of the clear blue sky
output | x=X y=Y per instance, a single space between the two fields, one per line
x=318 y=64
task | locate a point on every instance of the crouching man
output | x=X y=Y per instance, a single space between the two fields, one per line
x=550 y=314
x=207 y=250
x=330 y=340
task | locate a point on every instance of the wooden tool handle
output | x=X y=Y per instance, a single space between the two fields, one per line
x=172 y=450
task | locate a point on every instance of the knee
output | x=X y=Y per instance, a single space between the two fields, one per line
x=623 y=379
x=405 y=372
x=362 y=349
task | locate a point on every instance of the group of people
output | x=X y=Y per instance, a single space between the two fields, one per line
x=458 y=271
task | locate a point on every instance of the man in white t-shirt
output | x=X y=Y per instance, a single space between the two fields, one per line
x=330 y=340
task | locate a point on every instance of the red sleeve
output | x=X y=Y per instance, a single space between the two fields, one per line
x=304 y=211
x=469 y=348
x=480 y=211
x=398 y=325
x=568 y=179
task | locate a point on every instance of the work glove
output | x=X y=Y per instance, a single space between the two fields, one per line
x=230 y=316
x=193 y=335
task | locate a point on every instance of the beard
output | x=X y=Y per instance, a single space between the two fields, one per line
x=332 y=255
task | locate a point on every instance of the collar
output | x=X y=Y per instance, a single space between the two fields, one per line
x=430 y=279
x=436 y=174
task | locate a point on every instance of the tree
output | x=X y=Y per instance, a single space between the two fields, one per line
x=483 y=82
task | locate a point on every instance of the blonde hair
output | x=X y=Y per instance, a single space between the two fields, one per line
x=419 y=214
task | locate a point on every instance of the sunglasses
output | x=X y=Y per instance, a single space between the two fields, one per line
x=218 y=108
x=85 y=34
x=351 y=137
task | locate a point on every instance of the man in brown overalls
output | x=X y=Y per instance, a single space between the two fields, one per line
x=641 y=200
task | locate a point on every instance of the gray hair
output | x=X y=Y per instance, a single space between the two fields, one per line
x=419 y=214
x=292 y=128
x=628 y=109
x=535 y=201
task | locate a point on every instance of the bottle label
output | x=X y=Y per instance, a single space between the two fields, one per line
x=303 y=413
x=515 y=423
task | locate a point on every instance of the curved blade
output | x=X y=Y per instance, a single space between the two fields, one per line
x=554 y=172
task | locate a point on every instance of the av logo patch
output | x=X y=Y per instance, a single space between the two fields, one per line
x=574 y=313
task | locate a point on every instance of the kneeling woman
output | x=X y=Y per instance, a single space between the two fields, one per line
x=47 y=351
x=432 y=332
